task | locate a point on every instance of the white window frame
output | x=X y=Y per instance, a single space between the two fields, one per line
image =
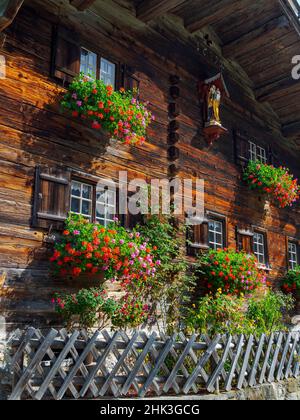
x=108 y=205
x=292 y=255
x=259 y=248
x=104 y=75
x=215 y=244
x=86 y=71
x=257 y=152
x=82 y=199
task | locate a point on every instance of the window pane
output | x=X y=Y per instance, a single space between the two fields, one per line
x=88 y=63
x=111 y=198
x=86 y=208
x=218 y=226
x=81 y=198
x=110 y=213
x=75 y=205
x=107 y=72
x=76 y=188
x=100 y=210
x=86 y=191
x=101 y=196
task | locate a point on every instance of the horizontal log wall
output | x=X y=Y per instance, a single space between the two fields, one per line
x=33 y=131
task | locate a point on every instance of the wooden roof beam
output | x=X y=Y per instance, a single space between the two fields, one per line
x=265 y=92
x=8 y=11
x=207 y=14
x=151 y=9
x=292 y=129
x=82 y=5
x=261 y=35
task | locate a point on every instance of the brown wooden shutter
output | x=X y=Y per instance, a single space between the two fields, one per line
x=241 y=145
x=51 y=197
x=273 y=158
x=130 y=221
x=66 y=55
x=245 y=241
x=197 y=239
x=130 y=80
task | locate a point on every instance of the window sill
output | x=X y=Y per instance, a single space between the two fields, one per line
x=265 y=268
x=199 y=246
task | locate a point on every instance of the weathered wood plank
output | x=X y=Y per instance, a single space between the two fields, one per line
x=8 y=11
x=151 y=9
x=38 y=357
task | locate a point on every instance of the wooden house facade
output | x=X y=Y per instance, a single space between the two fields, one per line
x=165 y=48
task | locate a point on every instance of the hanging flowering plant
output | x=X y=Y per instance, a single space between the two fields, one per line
x=117 y=112
x=91 y=248
x=277 y=182
x=231 y=272
x=121 y=256
x=291 y=283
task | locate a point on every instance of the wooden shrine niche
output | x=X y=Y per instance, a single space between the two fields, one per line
x=212 y=91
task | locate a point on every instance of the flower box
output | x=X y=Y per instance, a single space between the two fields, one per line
x=276 y=183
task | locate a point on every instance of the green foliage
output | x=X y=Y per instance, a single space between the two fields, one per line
x=277 y=182
x=88 y=308
x=267 y=313
x=230 y=272
x=291 y=282
x=118 y=256
x=117 y=112
x=174 y=279
x=219 y=314
x=223 y=314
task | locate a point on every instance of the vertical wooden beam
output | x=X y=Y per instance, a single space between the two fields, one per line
x=8 y=11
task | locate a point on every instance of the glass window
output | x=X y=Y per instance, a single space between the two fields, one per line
x=108 y=72
x=260 y=248
x=257 y=153
x=216 y=234
x=88 y=63
x=261 y=154
x=99 y=206
x=293 y=255
x=105 y=206
x=81 y=198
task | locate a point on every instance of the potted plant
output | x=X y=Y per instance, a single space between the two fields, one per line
x=121 y=257
x=277 y=183
x=118 y=113
x=291 y=283
x=230 y=272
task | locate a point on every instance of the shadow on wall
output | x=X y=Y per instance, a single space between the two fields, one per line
x=32 y=135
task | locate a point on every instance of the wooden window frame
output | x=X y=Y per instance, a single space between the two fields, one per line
x=256 y=150
x=242 y=234
x=295 y=242
x=93 y=184
x=126 y=220
x=216 y=217
x=197 y=230
x=63 y=33
x=264 y=233
x=242 y=149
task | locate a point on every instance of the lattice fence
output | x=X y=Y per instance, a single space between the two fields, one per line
x=59 y=365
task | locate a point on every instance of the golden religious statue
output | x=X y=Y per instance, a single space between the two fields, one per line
x=212 y=91
x=213 y=104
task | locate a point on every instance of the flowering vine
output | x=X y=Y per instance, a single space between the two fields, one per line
x=117 y=112
x=277 y=182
